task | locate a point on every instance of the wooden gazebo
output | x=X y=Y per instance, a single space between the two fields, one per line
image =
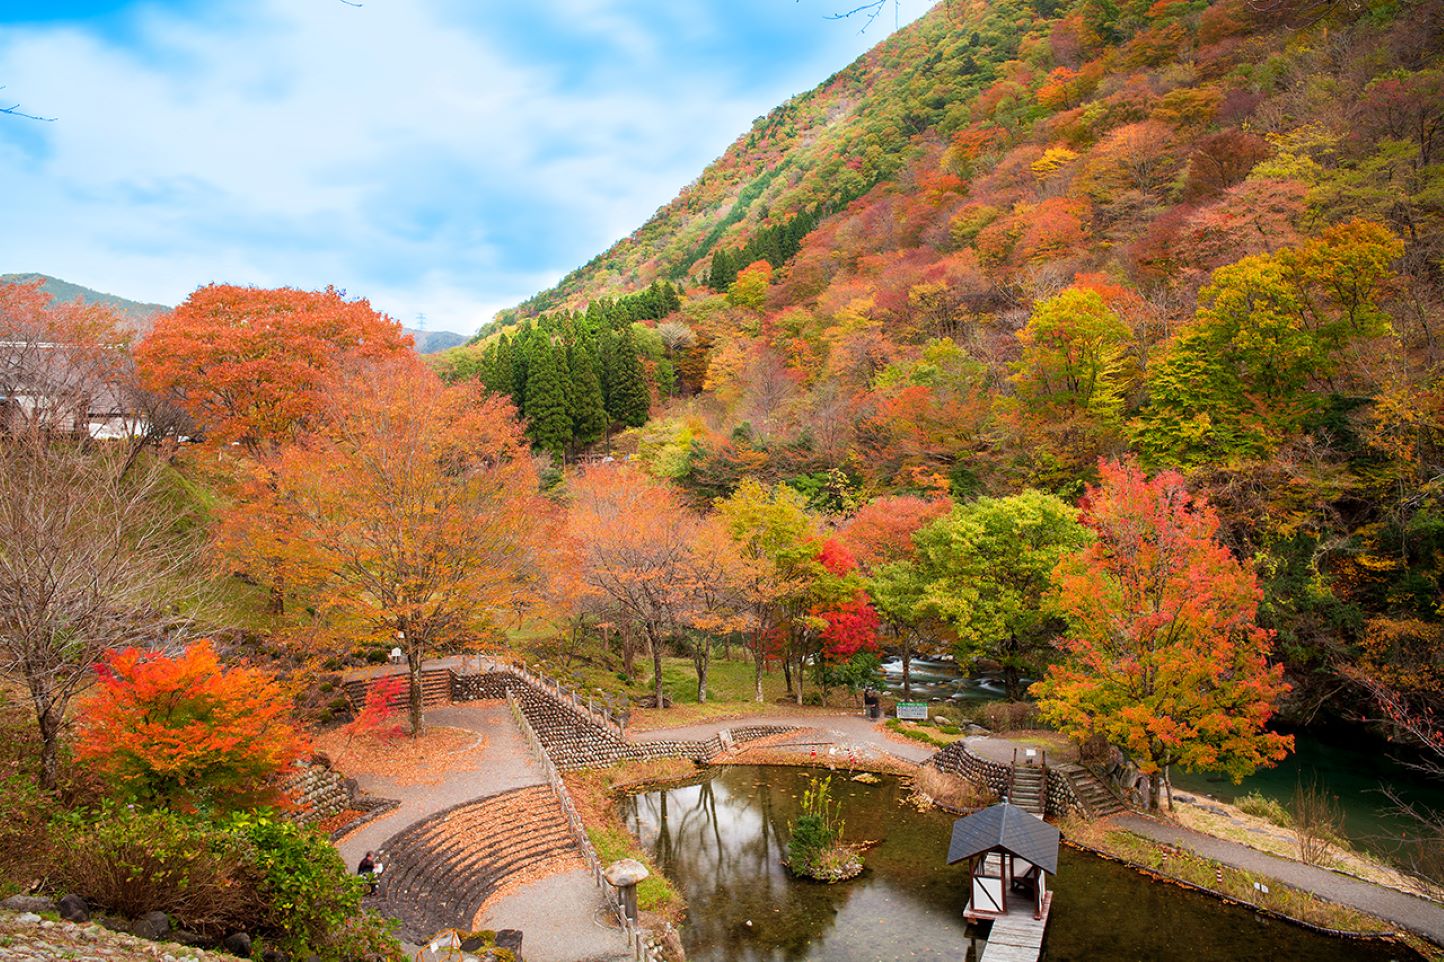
x=1010 y=852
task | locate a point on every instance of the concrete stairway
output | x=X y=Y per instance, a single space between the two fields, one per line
x=440 y=871
x=1098 y=801
x=1029 y=788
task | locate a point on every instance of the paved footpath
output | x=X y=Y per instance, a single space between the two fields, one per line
x=842 y=731
x=555 y=929
x=1420 y=915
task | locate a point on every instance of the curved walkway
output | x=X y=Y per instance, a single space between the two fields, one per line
x=842 y=731
x=561 y=931
x=1417 y=914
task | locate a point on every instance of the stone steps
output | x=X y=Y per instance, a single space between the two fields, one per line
x=441 y=871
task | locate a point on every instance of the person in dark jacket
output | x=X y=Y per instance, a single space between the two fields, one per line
x=368 y=870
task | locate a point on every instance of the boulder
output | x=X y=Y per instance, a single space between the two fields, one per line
x=272 y=954
x=186 y=937
x=238 y=943
x=28 y=918
x=151 y=925
x=509 y=939
x=113 y=923
x=73 y=909
x=28 y=903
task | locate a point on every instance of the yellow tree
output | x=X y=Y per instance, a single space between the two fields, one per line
x=412 y=510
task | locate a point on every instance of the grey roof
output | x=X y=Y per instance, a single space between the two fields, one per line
x=1007 y=827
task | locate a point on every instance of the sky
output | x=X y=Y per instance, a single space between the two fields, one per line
x=444 y=158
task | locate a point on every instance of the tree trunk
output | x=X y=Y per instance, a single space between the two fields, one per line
x=759 y=660
x=1153 y=781
x=629 y=656
x=801 y=664
x=1012 y=683
x=701 y=656
x=1168 y=785
x=417 y=709
x=49 y=721
x=656 y=644
x=787 y=671
x=907 y=657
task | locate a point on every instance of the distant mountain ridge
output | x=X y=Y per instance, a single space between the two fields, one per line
x=138 y=315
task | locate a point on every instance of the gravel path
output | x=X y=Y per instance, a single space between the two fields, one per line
x=562 y=918
x=506 y=764
x=1420 y=915
x=839 y=730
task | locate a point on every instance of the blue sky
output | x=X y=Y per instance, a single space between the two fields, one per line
x=445 y=158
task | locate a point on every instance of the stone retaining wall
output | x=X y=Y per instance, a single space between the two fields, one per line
x=957 y=760
x=573 y=740
x=317 y=790
x=1062 y=798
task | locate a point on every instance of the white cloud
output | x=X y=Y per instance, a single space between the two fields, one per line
x=411 y=150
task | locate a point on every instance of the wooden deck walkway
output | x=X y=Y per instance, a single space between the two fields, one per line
x=1017 y=937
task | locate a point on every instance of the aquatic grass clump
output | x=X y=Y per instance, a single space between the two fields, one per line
x=816 y=849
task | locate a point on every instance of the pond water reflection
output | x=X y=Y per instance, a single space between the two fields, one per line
x=721 y=840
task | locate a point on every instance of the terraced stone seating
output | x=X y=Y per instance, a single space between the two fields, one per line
x=435 y=689
x=440 y=871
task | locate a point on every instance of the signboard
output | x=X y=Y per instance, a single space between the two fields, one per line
x=913 y=710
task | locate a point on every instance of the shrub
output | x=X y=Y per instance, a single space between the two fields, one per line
x=1009 y=716
x=185 y=733
x=311 y=903
x=1267 y=808
x=135 y=861
x=950 y=791
x=815 y=848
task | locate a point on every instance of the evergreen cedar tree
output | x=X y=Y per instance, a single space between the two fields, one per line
x=410 y=512
x=184 y=732
x=252 y=366
x=1163 y=654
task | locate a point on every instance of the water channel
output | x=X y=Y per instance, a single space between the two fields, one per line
x=721 y=841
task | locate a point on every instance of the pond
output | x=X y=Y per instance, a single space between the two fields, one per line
x=721 y=841
x=1348 y=762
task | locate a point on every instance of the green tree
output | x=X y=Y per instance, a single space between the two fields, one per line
x=987 y=568
x=588 y=407
x=548 y=423
x=1266 y=347
x=628 y=400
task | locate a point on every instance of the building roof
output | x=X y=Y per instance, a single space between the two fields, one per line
x=1009 y=828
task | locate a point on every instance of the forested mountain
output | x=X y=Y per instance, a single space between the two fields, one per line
x=1022 y=235
x=135 y=314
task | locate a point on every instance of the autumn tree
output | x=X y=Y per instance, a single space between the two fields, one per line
x=186 y=732
x=91 y=556
x=253 y=366
x=634 y=537
x=1163 y=656
x=411 y=512
x=776 y=563
x=987 y=569
x=1266 y=347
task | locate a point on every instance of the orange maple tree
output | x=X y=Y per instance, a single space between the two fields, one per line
x=252 y=366
x=409 y=515
x=186 y=732
x=1164 y=656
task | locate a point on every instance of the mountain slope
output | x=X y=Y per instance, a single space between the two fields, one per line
x=1018 y=237
x=136 y=314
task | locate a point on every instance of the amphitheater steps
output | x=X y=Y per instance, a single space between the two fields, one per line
x=440 y=871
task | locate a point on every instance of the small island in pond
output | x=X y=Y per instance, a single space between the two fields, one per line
x=816 y=849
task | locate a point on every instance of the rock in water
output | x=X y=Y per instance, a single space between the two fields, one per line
x=73 y=909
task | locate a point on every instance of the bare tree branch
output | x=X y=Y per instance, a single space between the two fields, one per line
x=14 y=111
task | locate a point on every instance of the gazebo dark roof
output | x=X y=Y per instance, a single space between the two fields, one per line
x=1007 y=827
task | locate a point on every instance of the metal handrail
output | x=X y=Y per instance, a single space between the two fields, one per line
x=636 y=935
x=568 y=697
